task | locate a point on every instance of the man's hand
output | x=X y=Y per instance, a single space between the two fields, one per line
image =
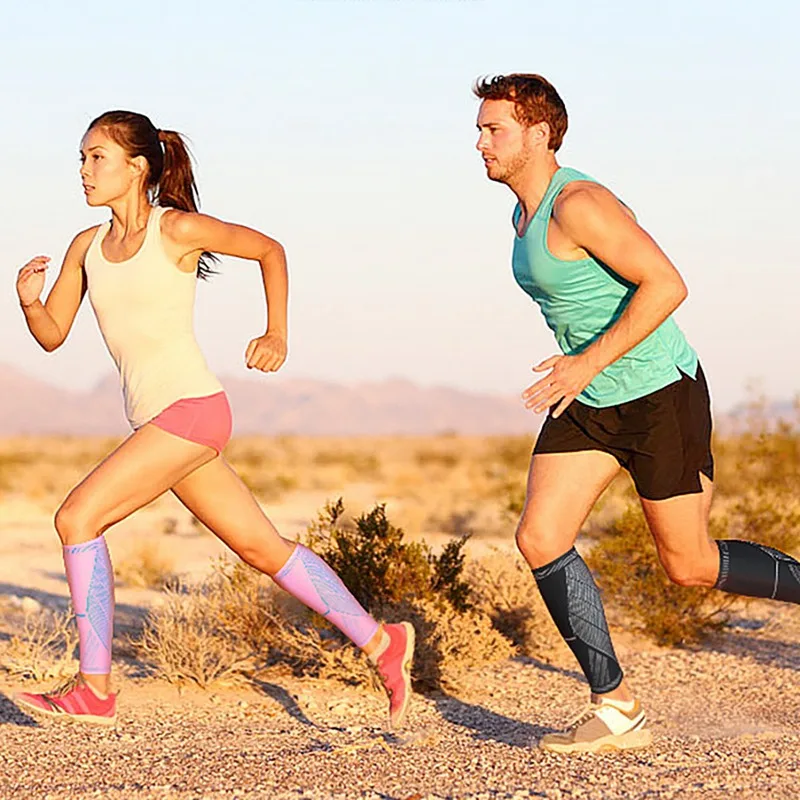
x=267 y=352
x=567 y=378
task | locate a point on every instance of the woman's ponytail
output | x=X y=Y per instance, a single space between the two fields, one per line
x=176 y=186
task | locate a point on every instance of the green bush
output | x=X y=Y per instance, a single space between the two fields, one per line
x=380 y=568
x=632 y=579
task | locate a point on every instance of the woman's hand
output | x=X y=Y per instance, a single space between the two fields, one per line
x=30 y=280
x=267 y=353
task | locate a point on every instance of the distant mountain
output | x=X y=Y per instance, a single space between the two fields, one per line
x=307 y=407
x=274 y=406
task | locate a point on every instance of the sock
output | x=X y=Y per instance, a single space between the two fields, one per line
x=755 y=570
x=91 y=586
x=622 y=705
x=308 y=578
x=573 y=600
x=380 y=649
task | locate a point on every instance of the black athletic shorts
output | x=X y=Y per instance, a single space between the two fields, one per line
x=663 y=439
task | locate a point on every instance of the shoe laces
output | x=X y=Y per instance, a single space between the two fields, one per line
x=66 y=686
x=587 y=713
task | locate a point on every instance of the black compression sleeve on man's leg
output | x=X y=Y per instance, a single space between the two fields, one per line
x=574 y=603
x=755 y=570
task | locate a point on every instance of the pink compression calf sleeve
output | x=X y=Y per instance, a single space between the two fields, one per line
x=308 y=578
x=91 y=586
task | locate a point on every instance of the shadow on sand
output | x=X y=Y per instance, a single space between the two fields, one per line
x=487 y=725
x=284 y=699
x=10 y=714
x=770 y=652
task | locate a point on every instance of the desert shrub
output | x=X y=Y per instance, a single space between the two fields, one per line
x=231 y=625
x=450 y=642
x=633 y=580
x=765 y=516
x=505 y=591
x=764 y=455
x=396 y=580
x=380 y=568
x=267 y=486
x=44 y=648
x=514 y=452
x=146 y=567
x=446 y=459
x=366 y=466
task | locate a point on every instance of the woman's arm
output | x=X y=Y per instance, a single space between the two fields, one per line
x=192 y=234
x=50 y=322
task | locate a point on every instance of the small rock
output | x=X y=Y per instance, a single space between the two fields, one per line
x=30 y=606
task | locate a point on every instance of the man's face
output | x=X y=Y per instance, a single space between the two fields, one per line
x=503 y=142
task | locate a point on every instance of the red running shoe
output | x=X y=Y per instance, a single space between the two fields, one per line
x=394 y=667
x=74 y=699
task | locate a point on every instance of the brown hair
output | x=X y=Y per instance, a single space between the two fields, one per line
x=170 y=179
x=535 y=100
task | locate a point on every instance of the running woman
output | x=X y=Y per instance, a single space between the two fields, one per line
x=626 y=391
x=140 y=271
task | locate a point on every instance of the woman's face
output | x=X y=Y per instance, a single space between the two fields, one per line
x=107 y=173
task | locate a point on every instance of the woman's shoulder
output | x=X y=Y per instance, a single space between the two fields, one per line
x=82 y=241
x=181 y=226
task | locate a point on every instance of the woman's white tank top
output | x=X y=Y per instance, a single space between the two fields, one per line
x=145 y=309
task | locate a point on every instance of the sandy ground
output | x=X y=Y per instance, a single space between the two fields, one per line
x=726 y=717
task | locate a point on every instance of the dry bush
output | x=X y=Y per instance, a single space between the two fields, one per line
x=44 y=648
x=232 y=624
x=266 y=486
x=444 y=458
x=360 y=465
x=633 y=580
x=450 y=642
x=146 y=567
x=506 y=592
x=208 y=632
x=399 y=580
x=47 y=467
x=184 y=640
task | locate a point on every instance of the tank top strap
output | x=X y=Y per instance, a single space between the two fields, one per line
x=94 y=246
x=561 y=177
x=154 y=222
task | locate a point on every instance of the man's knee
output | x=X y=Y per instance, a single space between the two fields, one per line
x=691 y=571
x=539 y=541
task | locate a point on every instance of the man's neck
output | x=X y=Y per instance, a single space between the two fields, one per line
x=531 y=184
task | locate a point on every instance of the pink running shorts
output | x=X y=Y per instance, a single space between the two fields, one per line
x=204 y=420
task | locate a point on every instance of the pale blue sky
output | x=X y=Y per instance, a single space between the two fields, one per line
x=346 y=129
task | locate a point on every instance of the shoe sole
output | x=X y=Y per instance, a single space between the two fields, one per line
x=633 y=740
x=408 y=658
x=86 y=719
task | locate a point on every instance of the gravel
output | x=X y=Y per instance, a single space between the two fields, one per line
x=725 y=720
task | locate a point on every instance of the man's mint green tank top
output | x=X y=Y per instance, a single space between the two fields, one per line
x=581 y=300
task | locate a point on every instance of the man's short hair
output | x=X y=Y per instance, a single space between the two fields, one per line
x=535 y=100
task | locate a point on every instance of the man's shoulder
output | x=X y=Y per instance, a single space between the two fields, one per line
x=580 y=197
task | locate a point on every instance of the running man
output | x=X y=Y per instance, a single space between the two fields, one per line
x=140 y=271
x=626 y=391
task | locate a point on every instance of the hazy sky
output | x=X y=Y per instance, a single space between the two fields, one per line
x=346 y=129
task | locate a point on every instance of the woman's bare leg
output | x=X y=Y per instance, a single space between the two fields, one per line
x=216 y=495
x=144 y=466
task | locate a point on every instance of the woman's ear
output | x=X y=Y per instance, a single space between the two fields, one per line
x=139 y=166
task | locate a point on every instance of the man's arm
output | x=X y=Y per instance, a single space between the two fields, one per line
x=596 y=222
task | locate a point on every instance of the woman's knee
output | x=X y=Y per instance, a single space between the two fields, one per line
x=73 y=524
